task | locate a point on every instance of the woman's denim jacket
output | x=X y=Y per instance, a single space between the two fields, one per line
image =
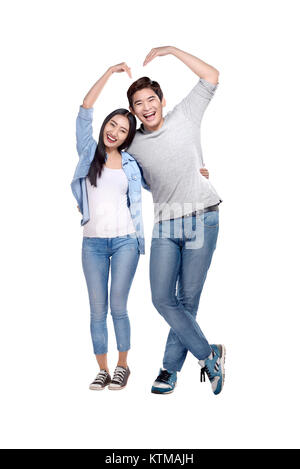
x=86 y=146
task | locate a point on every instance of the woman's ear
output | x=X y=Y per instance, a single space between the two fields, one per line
x=163 y=103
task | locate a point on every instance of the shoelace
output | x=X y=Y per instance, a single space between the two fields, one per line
x=202 y=374
x=100 y=378
x=119 y=375
x=163 y=377
x=206 y=370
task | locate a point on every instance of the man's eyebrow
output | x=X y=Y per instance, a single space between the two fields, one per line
x=139 y=100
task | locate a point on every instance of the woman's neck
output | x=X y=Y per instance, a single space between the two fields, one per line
x=114 y=159
x=113 y=154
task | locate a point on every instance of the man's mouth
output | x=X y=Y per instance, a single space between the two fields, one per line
x=149 y=116
x=110 y=138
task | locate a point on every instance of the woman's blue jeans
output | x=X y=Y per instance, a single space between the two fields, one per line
x=98 y=255
x=181 y=253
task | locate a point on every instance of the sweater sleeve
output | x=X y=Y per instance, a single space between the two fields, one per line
x=195 y=103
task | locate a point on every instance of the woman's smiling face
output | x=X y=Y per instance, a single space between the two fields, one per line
x=115 y=131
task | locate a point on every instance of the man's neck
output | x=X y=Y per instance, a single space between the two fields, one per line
x=153 y=129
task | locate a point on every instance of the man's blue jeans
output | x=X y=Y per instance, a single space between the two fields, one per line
x=98 y=254
x=181 y=253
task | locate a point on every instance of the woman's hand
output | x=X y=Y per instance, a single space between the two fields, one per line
x=119 y=68
x=95 y=91
x=78 y=208
x=204 y=172
x=157 y=52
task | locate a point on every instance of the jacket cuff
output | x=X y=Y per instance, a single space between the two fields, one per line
x=85 y=113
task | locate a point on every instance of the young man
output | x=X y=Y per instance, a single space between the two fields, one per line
x=186 y=215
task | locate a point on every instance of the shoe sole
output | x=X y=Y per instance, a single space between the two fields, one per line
x=166 y=392
x=223 y=357
x=117 y=389
x=96 y=388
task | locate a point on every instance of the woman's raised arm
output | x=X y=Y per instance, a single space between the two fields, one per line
x=96 y=89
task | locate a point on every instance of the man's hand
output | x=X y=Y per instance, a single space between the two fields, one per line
x=204 y=172
x=119 y=68
x=198 y=66
x=157 y=52
x=78 y=208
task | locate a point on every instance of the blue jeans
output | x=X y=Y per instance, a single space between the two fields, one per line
x=97 y=254
x=181 y=253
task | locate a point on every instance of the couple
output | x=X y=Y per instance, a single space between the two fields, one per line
x=164 y=155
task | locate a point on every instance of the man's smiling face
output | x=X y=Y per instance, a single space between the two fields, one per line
x=148 y=108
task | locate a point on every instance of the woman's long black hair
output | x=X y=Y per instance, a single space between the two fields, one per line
x=100 y=153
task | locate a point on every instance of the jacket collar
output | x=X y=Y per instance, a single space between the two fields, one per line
x=126 y=157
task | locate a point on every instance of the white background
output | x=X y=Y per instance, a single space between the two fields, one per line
x=52 y=52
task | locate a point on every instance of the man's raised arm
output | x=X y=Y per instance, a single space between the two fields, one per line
x=200 y=68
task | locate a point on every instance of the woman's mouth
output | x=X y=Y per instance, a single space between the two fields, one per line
x=110 y=138
x=149 y=116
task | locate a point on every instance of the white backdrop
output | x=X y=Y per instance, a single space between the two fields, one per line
x=52 y=52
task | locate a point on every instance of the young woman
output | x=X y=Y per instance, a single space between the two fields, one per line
x=107 y=187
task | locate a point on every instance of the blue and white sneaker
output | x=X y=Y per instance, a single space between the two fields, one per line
x=213 y=366
x=165 y=382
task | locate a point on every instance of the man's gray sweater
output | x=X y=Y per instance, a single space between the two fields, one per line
x=171 y=157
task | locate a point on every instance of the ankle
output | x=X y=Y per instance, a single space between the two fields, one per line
x=124 y=365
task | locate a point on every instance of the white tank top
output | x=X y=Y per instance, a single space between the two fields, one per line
x=109 y=213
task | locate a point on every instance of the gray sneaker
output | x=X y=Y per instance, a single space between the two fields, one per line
x=120 y=378
x=101 y=381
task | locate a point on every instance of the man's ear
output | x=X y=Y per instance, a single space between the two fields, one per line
x=131 y=110
x=163 y=103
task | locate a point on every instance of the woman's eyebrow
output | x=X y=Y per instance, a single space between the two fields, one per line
x=117 y=124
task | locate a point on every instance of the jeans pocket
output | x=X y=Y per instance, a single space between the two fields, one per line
x=210 y=219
